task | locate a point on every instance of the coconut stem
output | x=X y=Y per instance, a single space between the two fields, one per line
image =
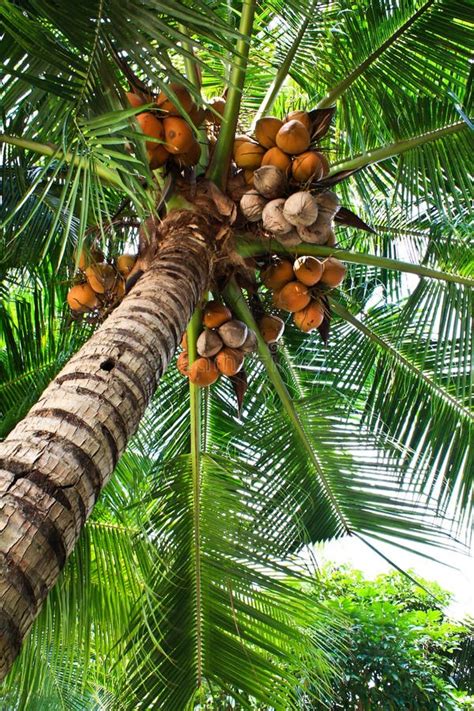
x=192 y=333
x=236 y=301
x=223 y=150
x=395 y=149
x=283 y=70
x=254 y=248
x=106 y=174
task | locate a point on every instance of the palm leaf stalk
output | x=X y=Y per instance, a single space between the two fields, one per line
x=284 y=68
x=252 y=248
x=379 y=154
x=219 y=164
x=195 y=406
x=332 y=95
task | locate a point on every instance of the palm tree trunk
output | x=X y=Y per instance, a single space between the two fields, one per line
x=56 y=461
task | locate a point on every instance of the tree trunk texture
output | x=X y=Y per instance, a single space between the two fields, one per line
x=56 y=461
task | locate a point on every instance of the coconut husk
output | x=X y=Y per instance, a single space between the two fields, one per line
x=270 y=182
x=273 y=218
x=233 y=333
x=209 y=343
x=252 y=204
x=301 y=209
x=250 y=343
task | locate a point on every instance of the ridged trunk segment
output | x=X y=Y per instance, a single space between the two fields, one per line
x=56 y=461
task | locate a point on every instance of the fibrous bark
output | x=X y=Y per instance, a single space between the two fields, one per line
x=56 y=461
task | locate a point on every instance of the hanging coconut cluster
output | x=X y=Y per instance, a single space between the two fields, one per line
x=172 y=122
x=221 y=346
x=284 y=170
x=99 y=285
x=284 y=144
x=299 y=286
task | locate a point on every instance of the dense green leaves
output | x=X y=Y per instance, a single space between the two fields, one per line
x=402 y=642
x=373 y=436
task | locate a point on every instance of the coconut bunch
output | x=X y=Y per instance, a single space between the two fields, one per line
x=99 y=284
x=221 y=346
x=284 y=144
x=299 y=285
x=171 y=126
x=301 y=217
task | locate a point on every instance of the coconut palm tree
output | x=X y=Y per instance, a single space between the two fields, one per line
x=180 y=586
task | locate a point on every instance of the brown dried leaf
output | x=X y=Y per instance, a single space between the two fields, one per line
x=336 y=178
x=240 y=385
x=224 y=204
x=325 y=327
x=321 y=121
x=346 y=217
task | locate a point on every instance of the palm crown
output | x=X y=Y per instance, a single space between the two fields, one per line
x=185 y=583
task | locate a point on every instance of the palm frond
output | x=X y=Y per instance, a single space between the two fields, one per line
x=250 y=638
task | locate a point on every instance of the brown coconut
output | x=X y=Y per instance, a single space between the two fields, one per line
x=300 y=209
x=310 y=317
x=182 y=363
x=203 y=372
x=289 y=239
x=82 y=298
x=239 y=139
x=302 y=117
x=88 y=256
x=273 y=218
x=334 y=272
x=331 y=239
x=293 y=138
x=134 y=100
x=248 y=154
x=308 y=166
x=308 y=270
x=179 y=136
x=197 y=115
x=191 y=157
x=269 y=181
x=209 y=343
x=151 y=126
x=215 y=110
x=157 y=156
x=215 y=314
x=318 y=233
x=275 y=156
x=248 y=177
x=293 y=297
x=170 y=105
x=252 y=204
x=328 y=202
x=266 y=130
x=278 y=274
x=233 y=333
x=271 y=328
x=101 y=277
x=250 y=343
x=124 y=263
x=229 y=361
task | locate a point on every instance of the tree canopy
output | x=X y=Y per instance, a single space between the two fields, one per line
x=180 y=584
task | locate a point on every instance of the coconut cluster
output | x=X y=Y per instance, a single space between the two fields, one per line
x=172 y=126
x=100 y=284
x=298 y=286
x=221 y=346
x=300 y=217
x=284 y=144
